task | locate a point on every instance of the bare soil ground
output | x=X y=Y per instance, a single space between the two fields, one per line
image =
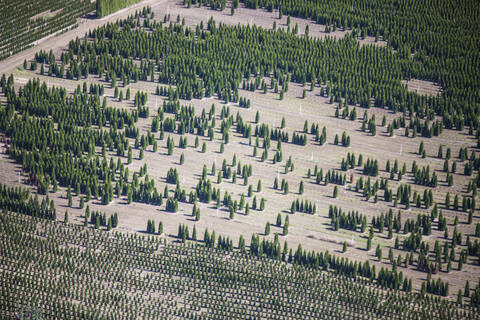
x=312 y=231
x=423 y=87
x=46 y=14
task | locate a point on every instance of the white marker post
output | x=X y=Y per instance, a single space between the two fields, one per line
x=401 y=149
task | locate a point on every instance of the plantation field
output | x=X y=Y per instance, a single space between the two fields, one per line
x=291 y=110
x=123 y=275
x=24 y=22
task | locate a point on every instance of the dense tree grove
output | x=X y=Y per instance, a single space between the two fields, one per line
x=348 y=71
x=105 y=7
x=23 y=22
x=444 y=42
x=305 y=206
x=98 y=219
x=350 y=221
x=57 y=146
x=21 y=201
x=56 y=155
x=436 y=287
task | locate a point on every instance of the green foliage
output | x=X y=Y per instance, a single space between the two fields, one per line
x=305 y=206
x=106 y=7
x=279 y=220
x=160 y=228
x=372 y=77
x=285 y=229
x=20 y=200
x=378 y=253
x=151 y=226
x=454 y=35
x=170 y=145
x=171 y=205
x=182 y=159
x=82 y=202
x=52 y=115
x=267 y=228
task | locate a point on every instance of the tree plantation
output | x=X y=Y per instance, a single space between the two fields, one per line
x=113 y=274
x=106 y=7
x=240 y=159
x=23 y=22
x=349 y=72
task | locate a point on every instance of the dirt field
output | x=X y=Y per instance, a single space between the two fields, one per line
x=312 y=231
x=423 y=87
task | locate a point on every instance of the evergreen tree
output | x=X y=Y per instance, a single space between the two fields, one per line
x=160 y=228
x=279 y=220
x=182 y=159
x=285 y=229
